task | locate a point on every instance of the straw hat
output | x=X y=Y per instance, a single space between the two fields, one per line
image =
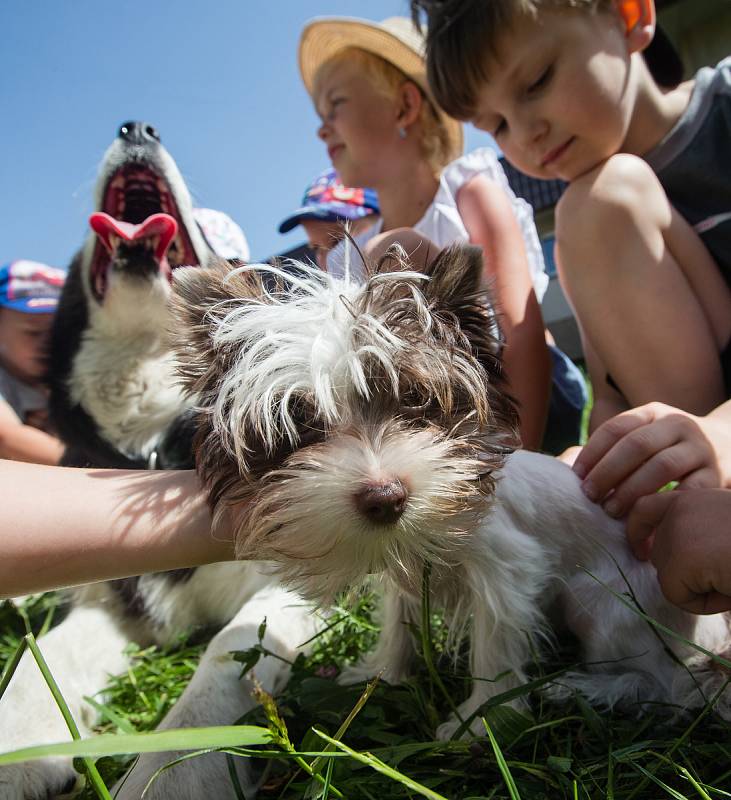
x=396 y=40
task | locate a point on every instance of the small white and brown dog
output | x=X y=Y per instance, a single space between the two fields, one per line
x=362 y=430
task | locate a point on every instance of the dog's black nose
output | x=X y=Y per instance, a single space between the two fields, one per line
x=138 y=132
x=382 y=503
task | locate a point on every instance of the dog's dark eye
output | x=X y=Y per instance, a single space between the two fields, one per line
x=309 y=425
x=416 y=402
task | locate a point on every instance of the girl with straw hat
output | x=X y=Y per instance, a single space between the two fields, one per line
x=382 y=129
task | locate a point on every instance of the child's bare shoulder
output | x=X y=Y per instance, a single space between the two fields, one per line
x=609 y=197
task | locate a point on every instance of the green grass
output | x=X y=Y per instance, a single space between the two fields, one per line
x=387 y=749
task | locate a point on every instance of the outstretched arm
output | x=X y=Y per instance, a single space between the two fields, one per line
x=63 y=527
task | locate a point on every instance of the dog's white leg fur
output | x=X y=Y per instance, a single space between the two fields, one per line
x=82 y=652
x=625 y=656
x=504 y=584
x=627 y=659
x=217 y=695
x=394 y=651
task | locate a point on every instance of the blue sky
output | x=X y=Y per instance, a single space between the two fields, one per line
x=218 y=79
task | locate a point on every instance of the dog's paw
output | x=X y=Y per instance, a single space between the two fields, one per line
x=447 y=730
x=39 y=780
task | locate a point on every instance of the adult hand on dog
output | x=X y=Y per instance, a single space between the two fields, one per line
x=639 y=451
x=687 y=536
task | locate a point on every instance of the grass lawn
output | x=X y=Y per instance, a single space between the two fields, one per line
x=551 y=751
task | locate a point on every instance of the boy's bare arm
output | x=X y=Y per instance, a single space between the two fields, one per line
x=63 y=527
x=21 y=442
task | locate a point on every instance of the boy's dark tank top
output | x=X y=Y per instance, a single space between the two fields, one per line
x=693 y=162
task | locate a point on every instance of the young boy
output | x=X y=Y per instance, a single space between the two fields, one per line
x=326 y=205
x=28 y=298
x=643 y=229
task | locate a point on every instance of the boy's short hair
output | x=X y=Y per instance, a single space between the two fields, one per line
x=30 y=287
x=462 y=37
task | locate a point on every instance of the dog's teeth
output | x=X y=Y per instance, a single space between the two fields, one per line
x=114 y=241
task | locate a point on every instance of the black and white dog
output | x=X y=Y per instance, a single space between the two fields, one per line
x=116 y=402
x=361 y=432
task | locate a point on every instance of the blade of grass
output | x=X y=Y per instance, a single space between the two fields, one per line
x=11 y=666
x=94 y=777
x=107 y=713
x=650 y=776
x=680 y=741
x=110 y=744
x=378 y=765
x=694 y=783
x=502 y=763
x=317 y=763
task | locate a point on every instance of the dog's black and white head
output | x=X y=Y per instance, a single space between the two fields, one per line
x=143 y=225
x=353 y=428
x=111 y=370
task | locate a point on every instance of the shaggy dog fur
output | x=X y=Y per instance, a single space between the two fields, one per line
x=362 y=431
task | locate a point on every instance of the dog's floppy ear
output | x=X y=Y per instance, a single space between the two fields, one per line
x=201 y=295
x=455 y=275
x=457 y=287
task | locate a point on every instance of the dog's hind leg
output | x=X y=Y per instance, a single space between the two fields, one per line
x=81 y=653
x=219 y=695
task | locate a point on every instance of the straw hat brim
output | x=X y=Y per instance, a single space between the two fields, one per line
x=324 y=37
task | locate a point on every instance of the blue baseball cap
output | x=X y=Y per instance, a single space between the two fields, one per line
x=328 y=200
x=30 y=287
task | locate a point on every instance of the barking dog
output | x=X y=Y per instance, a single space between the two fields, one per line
x=362 y=430
x=116 y=402
x=113 y=391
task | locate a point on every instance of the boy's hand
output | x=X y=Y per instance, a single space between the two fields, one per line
x=639 y=451
x=687 y=536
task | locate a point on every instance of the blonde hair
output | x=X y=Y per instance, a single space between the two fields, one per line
x=387 y=80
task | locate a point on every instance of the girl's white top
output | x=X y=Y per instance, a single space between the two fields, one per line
x=443 y=225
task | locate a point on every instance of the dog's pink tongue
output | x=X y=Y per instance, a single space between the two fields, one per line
x=162 y=225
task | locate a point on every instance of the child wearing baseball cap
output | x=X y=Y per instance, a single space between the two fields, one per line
x=326 y=207
x=29 y=294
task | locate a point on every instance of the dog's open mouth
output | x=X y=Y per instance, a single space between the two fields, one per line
x=139 y=218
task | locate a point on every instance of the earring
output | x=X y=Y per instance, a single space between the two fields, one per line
x=402 y=132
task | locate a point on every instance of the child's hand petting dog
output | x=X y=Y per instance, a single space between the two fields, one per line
x=687 y=537
x=639 y=451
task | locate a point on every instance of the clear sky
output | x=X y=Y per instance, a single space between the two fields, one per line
x=218 y=79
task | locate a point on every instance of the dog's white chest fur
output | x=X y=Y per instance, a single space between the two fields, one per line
x=124 y=375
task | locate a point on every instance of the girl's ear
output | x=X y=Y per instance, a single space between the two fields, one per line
x=410 y=100
x=639 y=22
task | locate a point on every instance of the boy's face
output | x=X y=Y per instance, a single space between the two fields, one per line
x=560 y=96
x=23 y=340
x=322 y=236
